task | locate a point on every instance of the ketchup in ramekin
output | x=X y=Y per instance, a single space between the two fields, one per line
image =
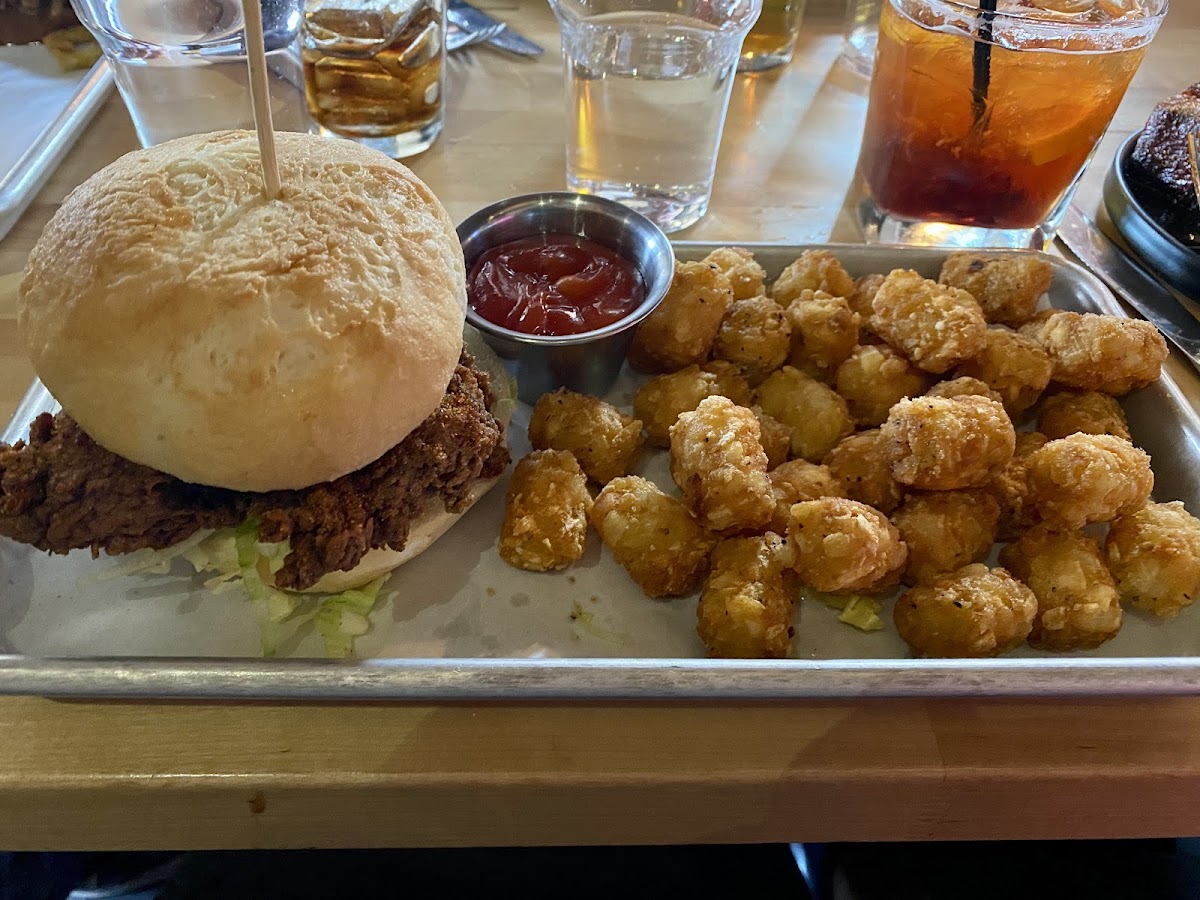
x=553 y=285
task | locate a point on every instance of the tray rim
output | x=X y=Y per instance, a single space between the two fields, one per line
x=629 y=678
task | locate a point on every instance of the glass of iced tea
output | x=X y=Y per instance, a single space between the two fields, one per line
x=374 y=71
x=980 y=123
x=772 y=39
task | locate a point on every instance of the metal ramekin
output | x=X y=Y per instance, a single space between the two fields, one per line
x=589 y=362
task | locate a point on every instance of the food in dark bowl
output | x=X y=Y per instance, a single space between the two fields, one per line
x=1160 y=170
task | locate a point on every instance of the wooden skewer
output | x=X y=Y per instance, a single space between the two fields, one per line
x=260 y=96
x=1192 y=140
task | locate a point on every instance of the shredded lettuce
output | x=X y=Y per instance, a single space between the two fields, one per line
x=854 y=610
x=340 y=618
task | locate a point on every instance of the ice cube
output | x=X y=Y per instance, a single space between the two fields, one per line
x=357 y=28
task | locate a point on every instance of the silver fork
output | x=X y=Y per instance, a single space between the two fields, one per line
x=458 y=38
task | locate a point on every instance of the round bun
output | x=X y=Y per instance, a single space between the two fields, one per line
x=189 y=324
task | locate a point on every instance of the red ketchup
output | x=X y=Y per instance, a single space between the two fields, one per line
x=554 y=284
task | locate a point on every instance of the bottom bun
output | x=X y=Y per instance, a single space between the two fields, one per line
x=377 y=562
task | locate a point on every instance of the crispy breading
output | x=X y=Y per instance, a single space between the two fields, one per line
x=945 y=530
x=862 y=467
x=1013 y=365
x=1007 y=288
x=745 y=275
x=775 y=437
x=652 y=536
x=660 y=400
x=1088 y=412
x=1154 y=557
x=1109 y=354
x=824 y=333
x=795 y=481
x=681 y=329
x=935 y=326
x=844 y=546
x=545 y=512
x=1086 y=478
x=603 y=440
x=814 y=270
x=963 y=386
x=972 y=612
x=1078 y=607
x=745 y=610
x=719 y=463
x=1011 y=488
x=874 y=378
x=755 y=335
x=865 y=289
x=817 y=416
x=944 y=443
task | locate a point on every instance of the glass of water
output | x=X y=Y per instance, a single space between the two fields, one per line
x=648 y=82
x=180 y=65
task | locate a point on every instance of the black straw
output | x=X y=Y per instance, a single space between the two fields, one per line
x=981 y=61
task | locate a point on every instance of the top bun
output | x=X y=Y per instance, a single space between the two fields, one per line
x=189 y=324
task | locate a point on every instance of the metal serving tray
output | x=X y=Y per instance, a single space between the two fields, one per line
x=460 y=624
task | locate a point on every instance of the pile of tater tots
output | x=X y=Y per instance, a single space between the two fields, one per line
x=859 y=438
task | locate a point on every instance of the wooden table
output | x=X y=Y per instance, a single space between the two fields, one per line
x=114 y=775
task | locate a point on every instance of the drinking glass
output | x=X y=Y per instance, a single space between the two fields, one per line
x=861 y=34
x=772 y=39
x=980 y=123
x=180 y=65
x=375 y=70
x=648 y=82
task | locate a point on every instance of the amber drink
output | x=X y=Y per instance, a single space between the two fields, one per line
x=374 y=71
x=980 y=123
x=771 y=41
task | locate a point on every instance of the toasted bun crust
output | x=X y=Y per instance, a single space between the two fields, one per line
x=191 y=325
x=421 y=536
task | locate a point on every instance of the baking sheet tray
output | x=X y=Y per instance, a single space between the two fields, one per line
x=458 y=623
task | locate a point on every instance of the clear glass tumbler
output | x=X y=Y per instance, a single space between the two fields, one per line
x=648 y=83
x=861 y=34
x=980 y=123
x=375 y=71
x=772 y=40
x=180 y=65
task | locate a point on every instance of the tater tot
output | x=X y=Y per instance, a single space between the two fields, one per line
x=935 y=326
x=862 y=467
x=874 y=378
x=775 y=437
x=945 y=530
x=1078 y=608
x=1154 y=557
x=603 y=440
x=865 y=289
x=1014 y=365
x=1087 y=412
x=755 y=335
x=719 y=463
x=814 y=270
x=1109 y=354
x=1086 y=478
x=944 y=443
x=824 y=333
x=843 y=546
x=545 y=512
x=682 y=328
x=817 y=416
x=660 y=400
x=1007 y=288
x=795 y=481
x=1011 y=488
x=963 y=386
x=973 y=612
x=652 y=536
x=745 y=610
x=745 y=275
